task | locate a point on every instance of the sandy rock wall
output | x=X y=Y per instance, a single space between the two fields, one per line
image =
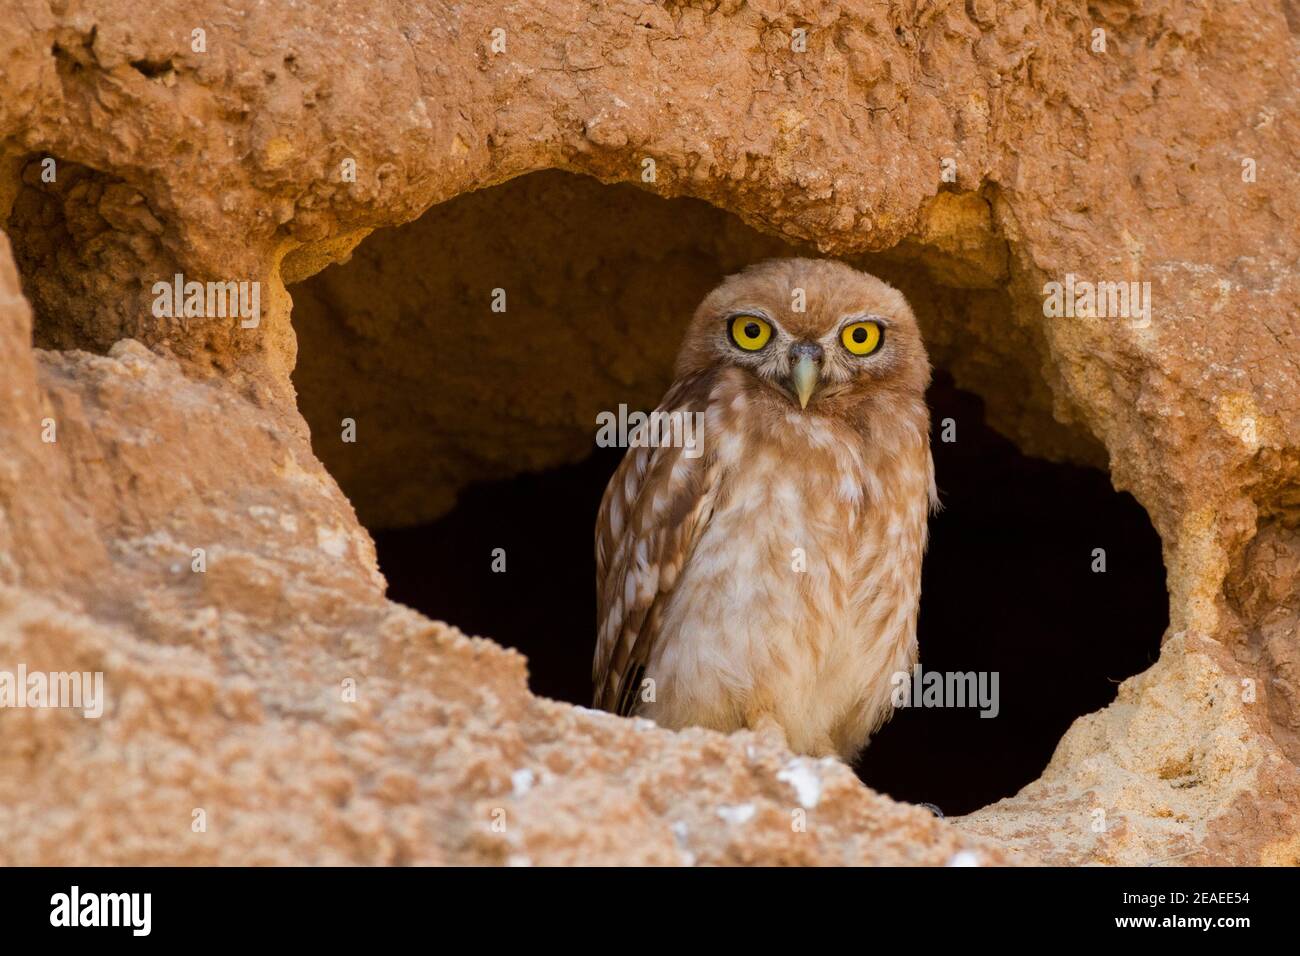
x=1164 y=158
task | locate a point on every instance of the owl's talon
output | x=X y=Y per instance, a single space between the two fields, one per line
x=766 y=728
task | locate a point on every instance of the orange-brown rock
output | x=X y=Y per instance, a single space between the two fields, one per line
x=1165 y=156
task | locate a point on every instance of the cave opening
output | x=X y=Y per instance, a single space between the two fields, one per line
x=465 y=438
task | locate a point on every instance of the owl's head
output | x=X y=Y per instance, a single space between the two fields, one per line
x=817 y=333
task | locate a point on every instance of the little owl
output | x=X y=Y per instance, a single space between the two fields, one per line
x=769 y=578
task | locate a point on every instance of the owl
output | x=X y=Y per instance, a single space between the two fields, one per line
x=768 y=577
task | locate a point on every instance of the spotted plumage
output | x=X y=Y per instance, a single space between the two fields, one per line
x=770 y=578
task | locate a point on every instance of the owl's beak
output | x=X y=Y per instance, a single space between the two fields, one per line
x=804 y=376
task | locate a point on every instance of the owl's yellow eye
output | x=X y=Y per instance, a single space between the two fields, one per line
x=750 y=332
x=861 y=338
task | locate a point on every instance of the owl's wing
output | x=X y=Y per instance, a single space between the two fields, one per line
x=652 y=514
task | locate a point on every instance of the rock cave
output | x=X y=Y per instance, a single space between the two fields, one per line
x=527 y=477
x=378 y=174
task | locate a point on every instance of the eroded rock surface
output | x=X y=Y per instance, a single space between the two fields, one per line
x=1166 y=158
